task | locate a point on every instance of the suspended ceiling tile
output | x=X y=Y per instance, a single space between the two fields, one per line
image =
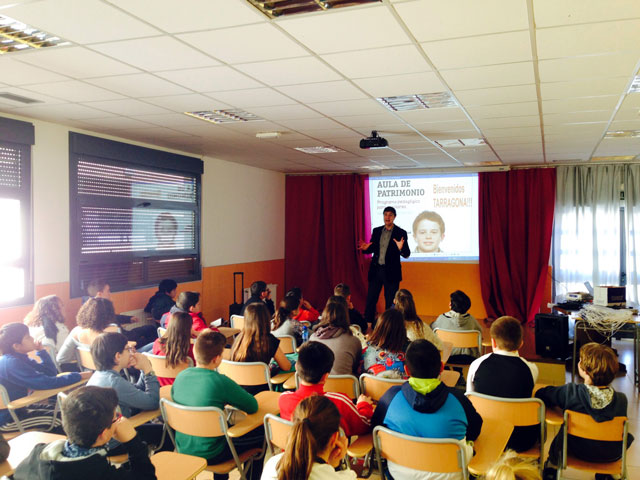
x=576 y=129
x=512 y=132
x=627 y=114
x=253 y=97
x=192 y=14
x=169 y=120
x=589 y=39
x=394 y=85
x=429 y=128
x=75 y=91
x=489 y=76
x=349 y=107
x=467 y=52
x=351 y=29
x=64 y=110
x=524 y=121
x=127 y=107
x=323 y=92
x=631 y=100
x=191 y=102
x=156 y=54
x=286 y=112
x=497 y=95
x=18 y=73
x=504 y=110
x=551 y=12
x=431 y=20
x=139 y=85
x=310 y=124
x=366 y=63
x=496 y=140
x=577 y=117
x=523 y=160
x=454 y=135
x=290 y=71
x=359 y=121
x=76 y=62
x=433 y=115
x=625 y=125
x=248 y=43
x=117 y=123
x=80 y=21
x=566 y=105
x=29 y=94
x=331 y=134
x=569 y=69
x=211 y=79
x=583 y=87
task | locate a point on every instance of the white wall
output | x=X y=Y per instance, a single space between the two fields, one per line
x=242 y=207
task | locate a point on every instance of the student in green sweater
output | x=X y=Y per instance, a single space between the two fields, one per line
x=203 y=386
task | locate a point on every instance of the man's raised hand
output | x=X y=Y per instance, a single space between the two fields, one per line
x=400 y=243
x=364 y=246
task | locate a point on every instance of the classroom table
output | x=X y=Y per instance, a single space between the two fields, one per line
x=267 y=403
x=21 y=447
x=177 y=466
x=39 y=395
x=489 y=445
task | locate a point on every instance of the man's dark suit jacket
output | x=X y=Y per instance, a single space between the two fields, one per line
x=393 y=270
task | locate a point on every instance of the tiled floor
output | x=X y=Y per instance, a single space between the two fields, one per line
x=622 y=384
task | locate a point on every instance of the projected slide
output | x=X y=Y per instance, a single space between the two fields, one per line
x=439 y=213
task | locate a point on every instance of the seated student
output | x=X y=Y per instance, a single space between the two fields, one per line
x=416 y=328
x=511 y=467
x=188 y=302
x=175 y=344
x=256 y=343
x=142 y=335
x=90 y=420
x=260 y=294
x=46 y=322
x=283 y=322
x=95 y=316
x=355 y=317
x=305 y=311
x=203 y=386
x=333 y=330
x=19 y=374
x=504 y=373
x=315 y=446
x=458 y=319
x=313 y=366
x=425 y=407
x=163 y=299
x=597 y=367
x=384 y=354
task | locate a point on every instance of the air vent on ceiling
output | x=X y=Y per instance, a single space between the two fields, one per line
x=323 y=149
x=623 y=134
x=418 y=101
x=224 y=116
x=16 y=36
x=635 y=85
x=280 y=8
x=461 y=142
x=18 y=98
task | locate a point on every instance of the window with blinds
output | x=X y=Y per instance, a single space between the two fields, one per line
x=135 y=219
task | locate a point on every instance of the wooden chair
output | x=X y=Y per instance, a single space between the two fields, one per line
x=159 y=365
x=206 y=422
x=583 y=426
x=450 y=377
x=460 y=339
x=276 y=432
x=237 y=321
x=288 y=343
x=444 y=455
x=376 y=387
x=251 y=373
x=346 y=384
x=446 y=351
x=519 y=412
x=85 y=360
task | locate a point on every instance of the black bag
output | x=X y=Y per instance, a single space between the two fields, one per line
x=236 y=307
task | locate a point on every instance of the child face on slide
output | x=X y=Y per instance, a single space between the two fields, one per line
x=428 y=236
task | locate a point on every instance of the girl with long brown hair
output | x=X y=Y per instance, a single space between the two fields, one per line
x=384 y=355
x=46 y=322
x=175 y=344
x=283 y=322
x=315 y=446
x=416 y=328
x=256 y=343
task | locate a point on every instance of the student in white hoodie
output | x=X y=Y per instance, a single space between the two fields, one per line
x=458 y=319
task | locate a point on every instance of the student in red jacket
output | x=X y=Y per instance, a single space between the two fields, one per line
x=314 y=363
x=188 y=302
x=305 y=311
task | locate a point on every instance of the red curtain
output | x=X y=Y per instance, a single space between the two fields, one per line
x=516 y=221
x=325 y=220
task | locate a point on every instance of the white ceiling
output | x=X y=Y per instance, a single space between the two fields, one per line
x=541 y=81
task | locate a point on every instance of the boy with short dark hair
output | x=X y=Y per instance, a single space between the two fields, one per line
x=163 y=299
x=90 y=420
x=504 y=373
x=597 y=367
x=260 y=293
x=315 y=361
x=203 y=386
x=188 y=302
x=458 y=319
x=19 y=374
x=355 y=317
x=425 y=407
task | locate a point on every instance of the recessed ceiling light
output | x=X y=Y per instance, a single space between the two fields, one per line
x=280 y=8
x=404 y=103
x=635 y=85
x=268 y=134
x=487 y=163
x=224 y=116
x=16 y=36
x=325 y=149
x=614 y=158
x=461 y=142
x=623 y=134
x=373 y=167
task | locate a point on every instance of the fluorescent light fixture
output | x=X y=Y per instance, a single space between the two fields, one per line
x=16 y=36
x=268 y=134
x=224 y=116
x=282 y=8
x=635 y=85
x=419 y=101
x=487 y=163
x=461 y=142
x=373 y=167
x=324 y=149
x=623 y=134
x=614 y=158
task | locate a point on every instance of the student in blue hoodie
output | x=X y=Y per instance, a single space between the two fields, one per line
x=19 y=374
x=425 y=407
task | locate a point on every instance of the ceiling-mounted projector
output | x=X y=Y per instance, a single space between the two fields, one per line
x=374 y=141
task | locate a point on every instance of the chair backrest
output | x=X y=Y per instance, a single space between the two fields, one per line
x=461 y=338
x=165 y=391
x=85 y=360
x=582 y=425
x=159 y=366
x=376 y=387
x=449 y=377
x=237 y=321
x=443 y=455
x=446 y=351
x=287 y=343
x=246 y=373
x=520 y=412
x=277 y=431
x=347 y=384
x=194 y=421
